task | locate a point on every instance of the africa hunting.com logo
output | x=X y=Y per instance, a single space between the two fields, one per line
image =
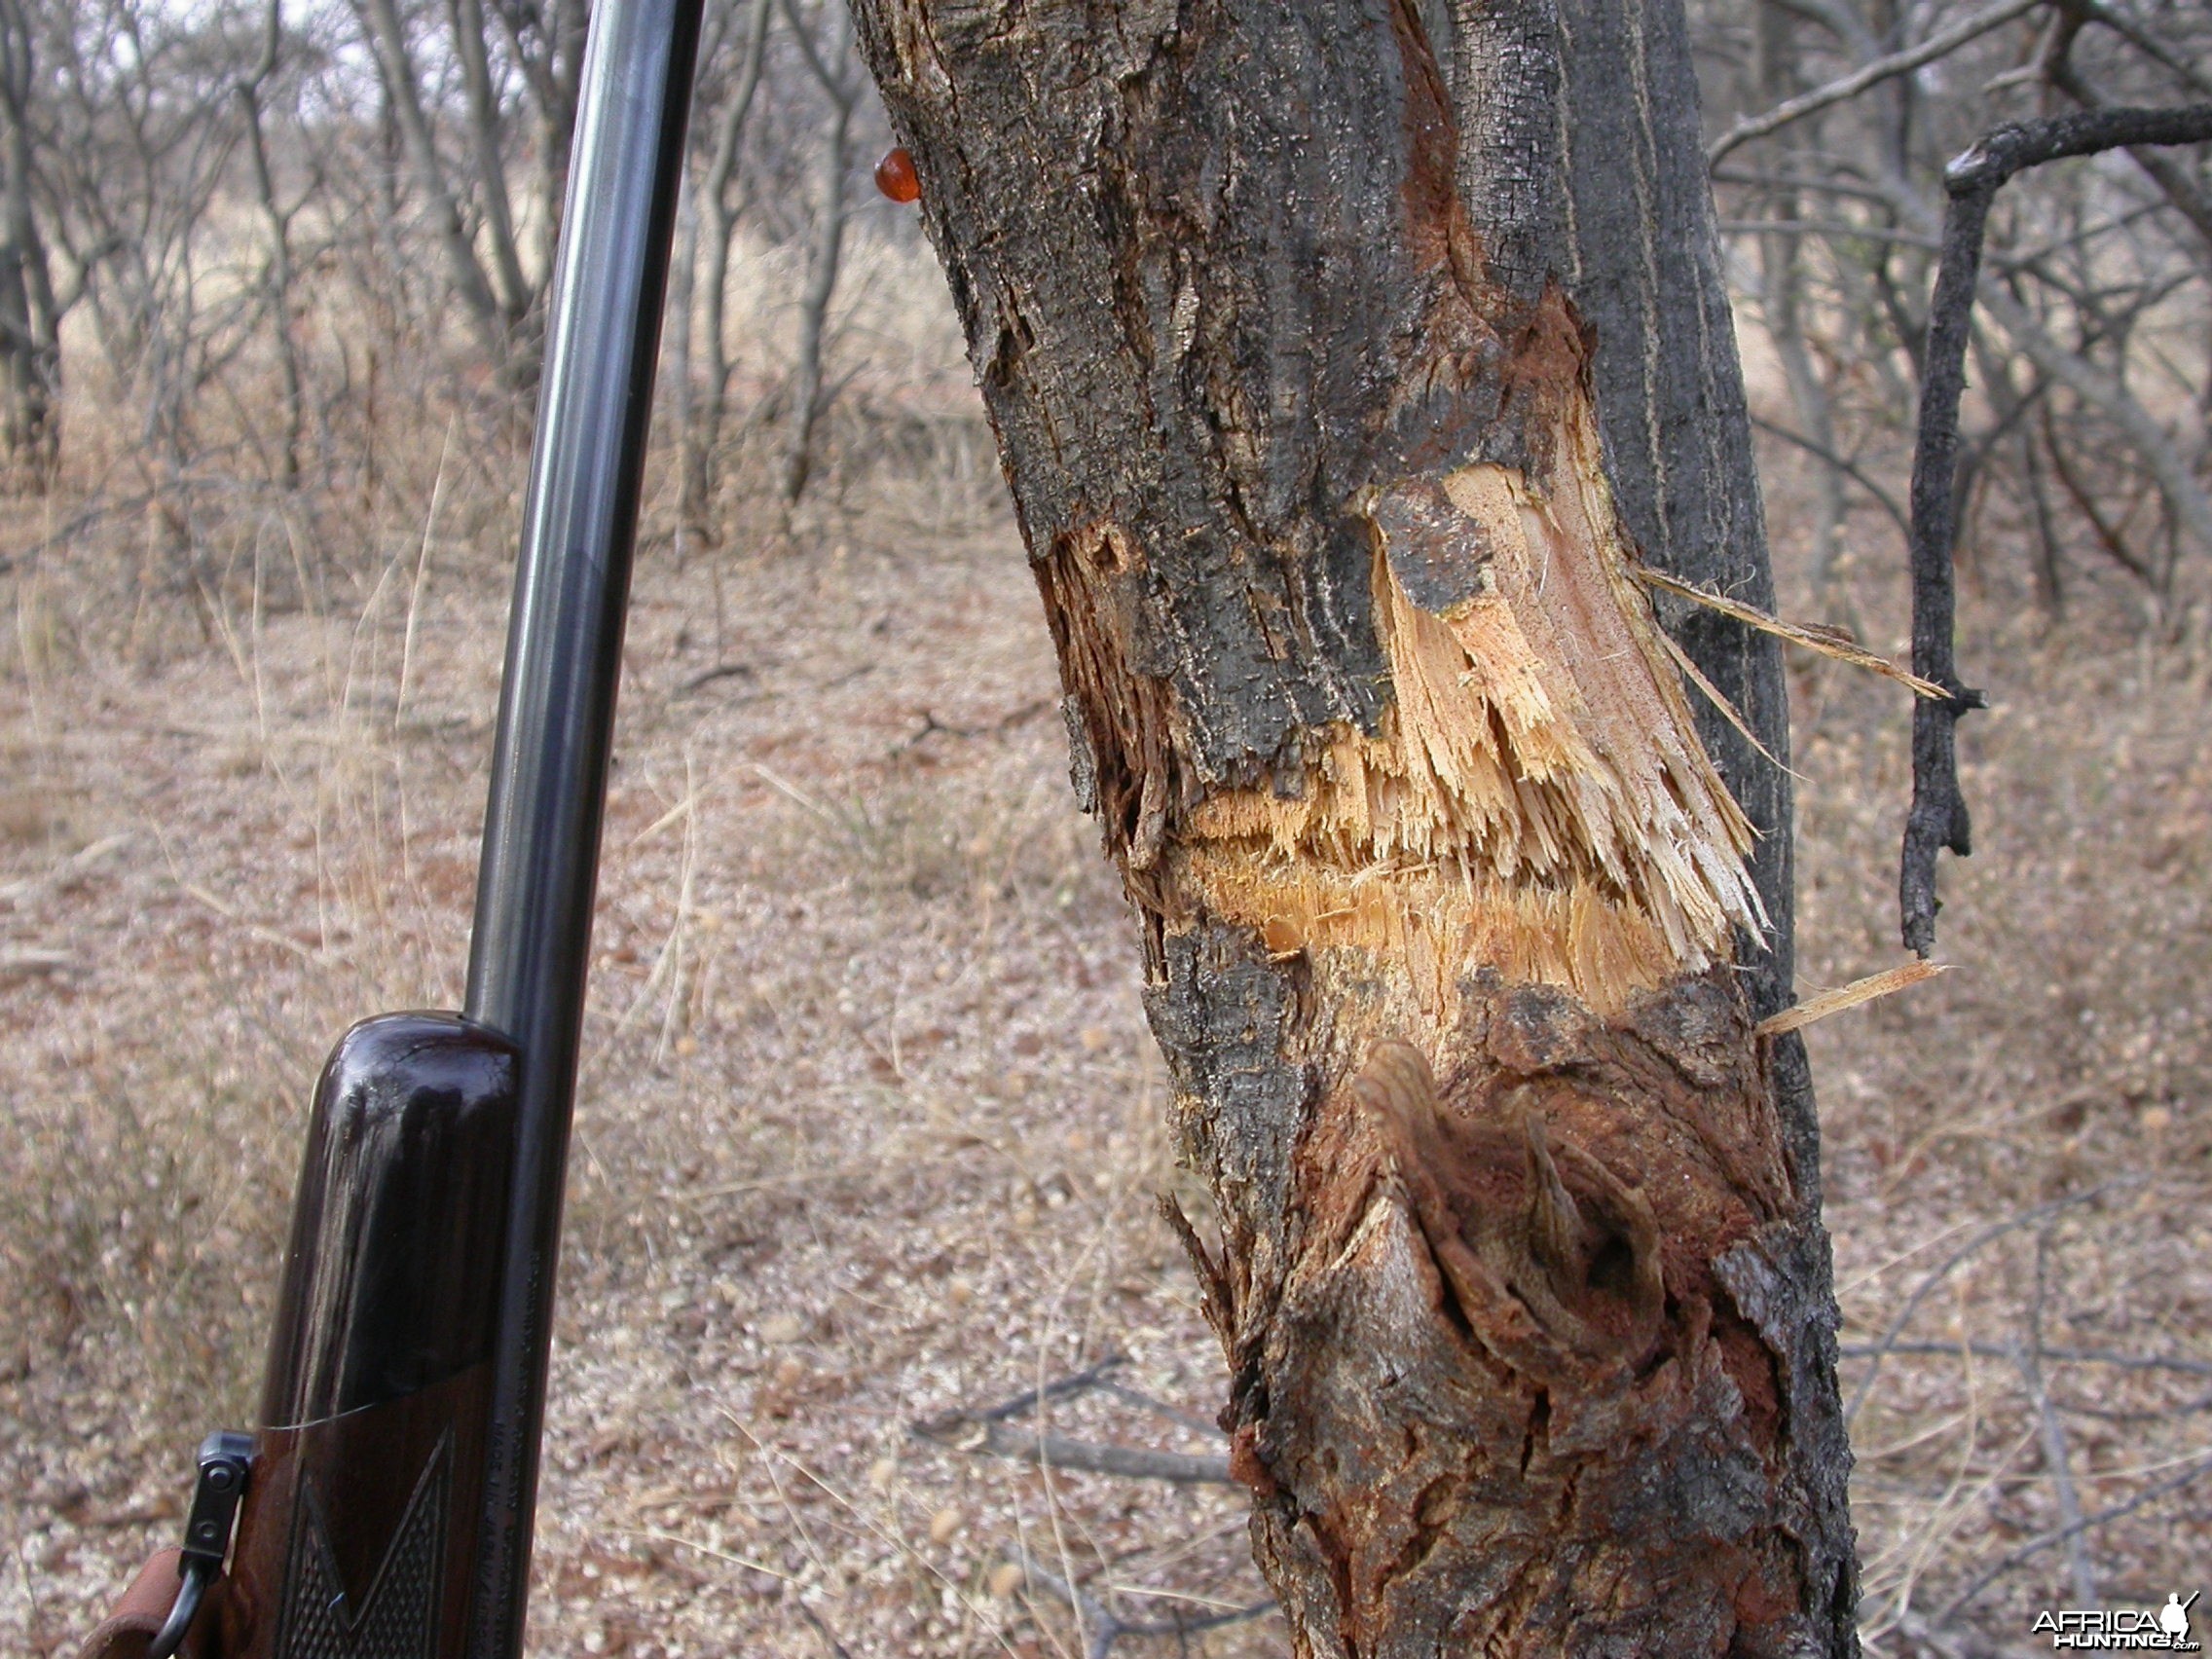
x=2123 y=1629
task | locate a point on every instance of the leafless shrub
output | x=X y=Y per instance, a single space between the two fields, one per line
x=1834 y=124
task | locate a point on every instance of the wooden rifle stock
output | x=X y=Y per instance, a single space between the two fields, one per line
x=358 y=1536
x=390 y=1491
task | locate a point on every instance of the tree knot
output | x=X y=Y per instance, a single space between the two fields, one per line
x=1547 y=1258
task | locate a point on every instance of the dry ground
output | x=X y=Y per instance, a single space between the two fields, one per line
x=871 y=1125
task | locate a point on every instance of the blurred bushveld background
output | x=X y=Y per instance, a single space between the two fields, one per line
x=871 y=1128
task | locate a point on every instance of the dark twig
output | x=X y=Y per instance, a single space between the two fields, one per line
x=2193 y=1469
x=2108 y=535
x=1107 y=1627
x=837 y=1649
x=1938 y=817
x=992 y=1430
x=932 y=727
x=720 y=671
x=1025 y=1402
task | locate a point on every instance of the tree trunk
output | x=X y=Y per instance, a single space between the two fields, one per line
x=491 y=323
x=703 y=435
x=1339 y=371
x=30 y=321
x=833 y=71
x=276 y=271
x=487 y=148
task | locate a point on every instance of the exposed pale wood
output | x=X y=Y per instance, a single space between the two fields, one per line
x=1536 y=800
x=1828 y=642
x=1888 y=983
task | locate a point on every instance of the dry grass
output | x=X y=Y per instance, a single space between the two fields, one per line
x=871 y=1124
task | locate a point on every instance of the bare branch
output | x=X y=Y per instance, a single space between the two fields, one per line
x=1085 y=1457
x=2192 y=1470
x=989 y=1430
x=1938 y=817
x=2057 y=1459
x=1843 y=464
x=1882 y=1348
x=1938 y=44
x=2144 y=42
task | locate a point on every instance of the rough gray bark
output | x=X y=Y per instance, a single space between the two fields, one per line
x=30 y=319
x=1290 y=322
x=1645 y=274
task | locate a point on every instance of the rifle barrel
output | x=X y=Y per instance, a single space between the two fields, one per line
x=531 y=949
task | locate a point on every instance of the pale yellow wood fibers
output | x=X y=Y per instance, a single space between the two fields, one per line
x=1536 y=799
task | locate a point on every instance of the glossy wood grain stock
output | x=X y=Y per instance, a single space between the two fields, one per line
x=359 y=1537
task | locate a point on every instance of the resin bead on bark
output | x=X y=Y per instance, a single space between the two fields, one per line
x=895 y=177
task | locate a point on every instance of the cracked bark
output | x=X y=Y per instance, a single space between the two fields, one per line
x=1342 y=357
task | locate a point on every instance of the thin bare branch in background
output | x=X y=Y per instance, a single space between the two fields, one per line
x=840 y=82
x=989 y=1430
x=715 y=218
x=1938 y=817
x=1938 y=44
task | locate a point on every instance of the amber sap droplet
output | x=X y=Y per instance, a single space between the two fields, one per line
x=895 y=177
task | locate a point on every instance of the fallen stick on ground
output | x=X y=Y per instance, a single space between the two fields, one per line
x=990 y=1429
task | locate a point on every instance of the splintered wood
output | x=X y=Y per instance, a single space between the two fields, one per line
x=1536 y=800
x=1829 y=642
x=1860 y=991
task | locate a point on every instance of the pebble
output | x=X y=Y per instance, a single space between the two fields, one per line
x=780 y=1328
